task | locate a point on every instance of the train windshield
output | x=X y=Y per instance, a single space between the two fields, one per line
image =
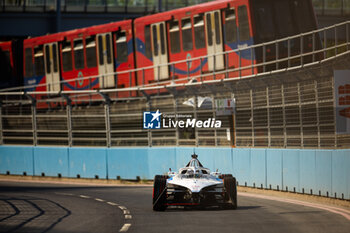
x=275 y=19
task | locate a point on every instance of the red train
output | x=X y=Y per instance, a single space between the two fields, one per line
x=152 y=46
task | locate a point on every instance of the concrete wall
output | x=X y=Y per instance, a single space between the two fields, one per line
x=309 y=171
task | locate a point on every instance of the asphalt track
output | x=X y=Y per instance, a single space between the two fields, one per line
x=33 y=207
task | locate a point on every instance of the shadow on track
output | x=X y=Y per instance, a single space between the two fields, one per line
x=30 y=214
x=39 y=187
x=211 y=208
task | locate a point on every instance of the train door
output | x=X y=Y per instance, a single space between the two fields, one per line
x=246 y=55
x=51 y=67
x=160 y=52
x=105 y=60
x=214 y=40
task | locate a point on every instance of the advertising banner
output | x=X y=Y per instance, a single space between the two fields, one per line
x=342 y=96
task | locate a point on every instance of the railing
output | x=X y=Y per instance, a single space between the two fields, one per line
x=275 y=56
x=332 y=7
x=298 y=114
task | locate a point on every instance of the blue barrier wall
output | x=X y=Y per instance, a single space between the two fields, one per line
x=309 y=171
x=307 y=168
x=51 y=161
x=16 y=160
x=127 y=163
x=88 y=162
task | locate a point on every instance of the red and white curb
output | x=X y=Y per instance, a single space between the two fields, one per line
x=126 y=212
x=336 y=210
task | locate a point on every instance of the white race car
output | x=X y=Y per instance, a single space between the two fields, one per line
x=194 y=185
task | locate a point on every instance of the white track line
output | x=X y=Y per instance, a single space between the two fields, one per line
x=125 y=227
x=65 y=194
x=126 y=212
x=128 y=216
x=343 y=212
x=111 y=203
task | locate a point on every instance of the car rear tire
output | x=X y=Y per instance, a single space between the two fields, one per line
x=230 y=185
x=159 y=193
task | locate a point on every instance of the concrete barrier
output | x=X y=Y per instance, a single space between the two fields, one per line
x=290 y=170
x=160 y=160
x=309 y=171
x=340 y=178
x=51 y=161
x=242 y=166
x=324 y=172
x=16 y=160
x=307 y=168
x=274 y=167
x=88 y=162
x=258 y=170
x=127 y=163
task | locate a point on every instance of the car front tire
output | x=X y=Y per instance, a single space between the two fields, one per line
x=230 y=185
x=159 y=193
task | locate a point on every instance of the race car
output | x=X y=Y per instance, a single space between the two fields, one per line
x=194 y=185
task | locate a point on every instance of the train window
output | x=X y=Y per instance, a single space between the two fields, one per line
x=174 y=32
x=54 y=54
x=155 y=40
x=217 y=28
x=210 y=33
x=122 y=47
x=91 y=52
x=303 y=15
x=39 y=61
x=230 y=26
x=263 y=21
x=148 y=42
x=28 y=62
x=284 y=22
x=162 y=38
x=67 y=56
x=47 y=57
x=78 y=54
x=186 y=28
x=108 y=47
x=243 y=28
x=199 y=36
x=100 y=50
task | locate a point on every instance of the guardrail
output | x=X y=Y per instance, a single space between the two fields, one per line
x=331 y=7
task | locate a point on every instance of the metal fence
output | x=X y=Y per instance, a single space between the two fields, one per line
x=298 y=114
x=108 y=124
x=286 y=115
x=332 y=7
x=289 y=103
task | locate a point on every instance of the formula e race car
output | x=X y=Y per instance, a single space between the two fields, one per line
x=194 y=185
